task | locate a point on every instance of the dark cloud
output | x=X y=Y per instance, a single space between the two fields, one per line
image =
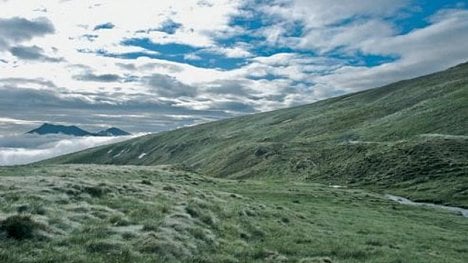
x=32 y=53
x=17 y=29
x=98 y=78
x=26 y=99
x=104 y=26
x=169 y=26
x=92 y=110
x=127 y=66
x=171 y=67
x=90 y=37
x=229 y=86
x=150 y=66
x=234 y=106
x=168 y=86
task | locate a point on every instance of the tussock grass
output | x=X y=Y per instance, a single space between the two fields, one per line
x=21 y=227
x=185 y=217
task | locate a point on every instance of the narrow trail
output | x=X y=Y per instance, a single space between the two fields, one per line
x=405 y=201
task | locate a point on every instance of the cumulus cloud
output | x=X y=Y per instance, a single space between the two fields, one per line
x=437 y=46
x=167 y=86
x=17 y=29
x=98 y=78
x=169 y=26
x=23 y=149
x=104 y=26
x=32 y=53
x=208 y=59
x=348 y=36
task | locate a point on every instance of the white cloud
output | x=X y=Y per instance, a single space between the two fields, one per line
x=297 y=66
x=323 y=13
x=23 y=149
x=435 y=47
x=17 y=121
x=348 y=36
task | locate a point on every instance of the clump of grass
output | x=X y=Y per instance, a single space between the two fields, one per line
x=203 y=235
x=20 y=227
x=271 y=256
x=374 y=242
x=35 y=209
x=107 y=247
x=248 y=212
x=169 y=188
x=209 y=219
x=316 y=260
x=150 y=227
x=146 y=182
x=244 y=235
x=96 y=191
x=22 y=209
x=117 y=220
x=167 y=249
x=192 y=211
x=128 y=235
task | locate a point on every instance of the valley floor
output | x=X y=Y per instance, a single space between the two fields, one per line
x=92 y=213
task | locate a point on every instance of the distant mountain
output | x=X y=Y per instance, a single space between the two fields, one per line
x=48 y=128
x=112 y=132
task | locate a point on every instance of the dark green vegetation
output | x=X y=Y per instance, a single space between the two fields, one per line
x=408 y=138
x=91 y=213
x=19 y=227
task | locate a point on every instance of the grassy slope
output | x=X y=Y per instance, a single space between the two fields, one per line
x=377 y=138
x=89 y=213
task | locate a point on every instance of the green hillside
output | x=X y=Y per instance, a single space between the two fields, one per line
x=408 y=138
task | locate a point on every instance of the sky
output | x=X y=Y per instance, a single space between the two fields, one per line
x=147 y=66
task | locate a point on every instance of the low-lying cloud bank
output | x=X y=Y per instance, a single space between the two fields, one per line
x=29 y=148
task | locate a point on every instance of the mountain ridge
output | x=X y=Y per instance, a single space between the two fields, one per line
x=48 y=128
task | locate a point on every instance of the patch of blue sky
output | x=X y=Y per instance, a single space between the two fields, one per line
x=178 y=53
x=251 y=22
x=417 y=14
x=360 y=59
x=268 y=76
x=172 y=49
x=219 y=61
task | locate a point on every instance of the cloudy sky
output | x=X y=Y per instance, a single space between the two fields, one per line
x=146 y=66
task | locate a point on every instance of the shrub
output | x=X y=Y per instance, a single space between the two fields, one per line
x=20 y=227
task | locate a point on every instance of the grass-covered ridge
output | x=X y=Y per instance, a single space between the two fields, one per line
x=90 y=213
x=408 y=138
